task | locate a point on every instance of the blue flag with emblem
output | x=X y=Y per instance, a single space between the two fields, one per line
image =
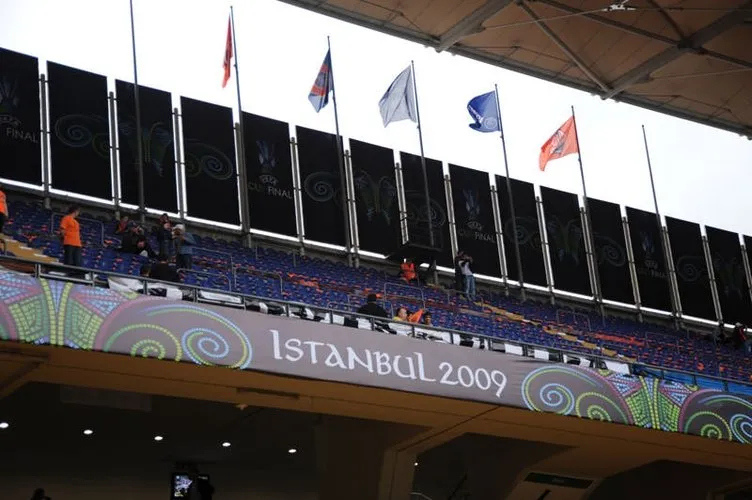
x=323 y=85
x=484 y=111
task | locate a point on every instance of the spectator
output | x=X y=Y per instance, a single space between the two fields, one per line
x=467 y=275
x=427 y=319
x=70 y=232
x=741 y=339
x=39 y=494
x=372 y=308
x=185 y=243
x=145 y=271
x=459 y=279
x=135 y=242
x=401 y=314
x=122 y=225
x=408 y=270
x=163 y=233
x=163 y=271
x=3 y=210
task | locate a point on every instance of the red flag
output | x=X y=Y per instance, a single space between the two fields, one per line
x=228 y=54
x=562 y=143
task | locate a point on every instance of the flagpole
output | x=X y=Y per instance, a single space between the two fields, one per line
x=245 y=210
x=340 y=160
x=139 y=132
x=591 y=240
x=666 y=253
x=512 y=215
x=431 y=238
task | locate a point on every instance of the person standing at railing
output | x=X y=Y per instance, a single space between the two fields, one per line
x=408 y=270
x=70 y=232
x=3 y=210
x=184 y=242
x=468 y=277
x=163 y=233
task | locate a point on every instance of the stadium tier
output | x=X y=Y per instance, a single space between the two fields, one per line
x=328 y=284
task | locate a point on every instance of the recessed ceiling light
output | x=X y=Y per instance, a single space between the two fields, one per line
x=415 y=464
x=292 y=450
x=4 y=425
x=226 y=444
x=158 y=438
x=88 y=432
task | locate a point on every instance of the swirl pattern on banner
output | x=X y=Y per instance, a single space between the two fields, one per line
x=80 y=131
x=204 y=158
x=717 y=415
x=610 y=252
x=527 y=232
x=691 y=268
x=564 y=390
x=416 y=209
x=179 y=332
x=321 y=187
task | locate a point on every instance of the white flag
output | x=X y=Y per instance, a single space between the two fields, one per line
x=398 y=102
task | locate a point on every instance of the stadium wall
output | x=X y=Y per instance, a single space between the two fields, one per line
x=43 y=312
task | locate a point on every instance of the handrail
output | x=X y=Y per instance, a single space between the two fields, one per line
x=39 y=266
x=84 y=219
x=234 y=283
x=409 y=287
x=291 y=250
x=210 y=274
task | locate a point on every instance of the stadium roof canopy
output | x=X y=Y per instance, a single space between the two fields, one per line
x=687 y=58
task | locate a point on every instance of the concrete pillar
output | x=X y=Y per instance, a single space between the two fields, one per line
x=362 y=459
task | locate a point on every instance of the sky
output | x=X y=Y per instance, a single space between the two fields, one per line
x=701 y=174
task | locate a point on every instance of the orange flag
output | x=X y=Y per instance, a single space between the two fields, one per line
x=562 y=143
x=228 y=54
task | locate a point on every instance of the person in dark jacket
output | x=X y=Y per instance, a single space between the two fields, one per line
x=184 y=242
x=135 y=242
x=163 y=271
x=372 y=308
x=163 y=232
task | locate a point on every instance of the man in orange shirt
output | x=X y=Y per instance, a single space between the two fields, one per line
x=3 y=210
x=71 y=234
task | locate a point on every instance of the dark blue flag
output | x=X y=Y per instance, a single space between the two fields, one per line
x=484 y=111
x=323 y=85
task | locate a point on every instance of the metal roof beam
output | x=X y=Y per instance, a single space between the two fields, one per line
x=565 y=48
x=692 y=44
x=471 y=24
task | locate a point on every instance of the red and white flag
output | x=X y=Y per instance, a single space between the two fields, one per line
x=227 y=65
x=562 y=143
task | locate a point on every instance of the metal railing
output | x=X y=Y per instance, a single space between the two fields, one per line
x=234 y=280
x=209 y=275
x=90 y=277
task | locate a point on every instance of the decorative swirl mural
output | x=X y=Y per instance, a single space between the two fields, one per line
x=691 y=268
x=527 y=232
x=82 y=131
x=416 y=209
x=609 y=251
x=566 y=236
x=322 y=187
x=203 y=158
x=62 y=314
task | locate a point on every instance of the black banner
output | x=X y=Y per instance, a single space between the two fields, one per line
x=691 y=269
x=19 y=118
x=376 y=195
x=322 y=187
x=730 y=279
x=611 y=251
x=79 y=132
x=270 y=188
x=528 y=232
x=211 y=182
x=415 y=198
x=650 y=263
x=474 y=218
x=566 y=243
x=160 y=189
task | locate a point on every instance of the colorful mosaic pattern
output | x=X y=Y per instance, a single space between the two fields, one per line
x=643 y=402
x=80 y=317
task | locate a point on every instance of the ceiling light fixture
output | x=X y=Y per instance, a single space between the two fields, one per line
x=88 y=432
x=226 y=444
x=292 y=451
x=415 y=464
x=4 y=425
x=158 y=438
